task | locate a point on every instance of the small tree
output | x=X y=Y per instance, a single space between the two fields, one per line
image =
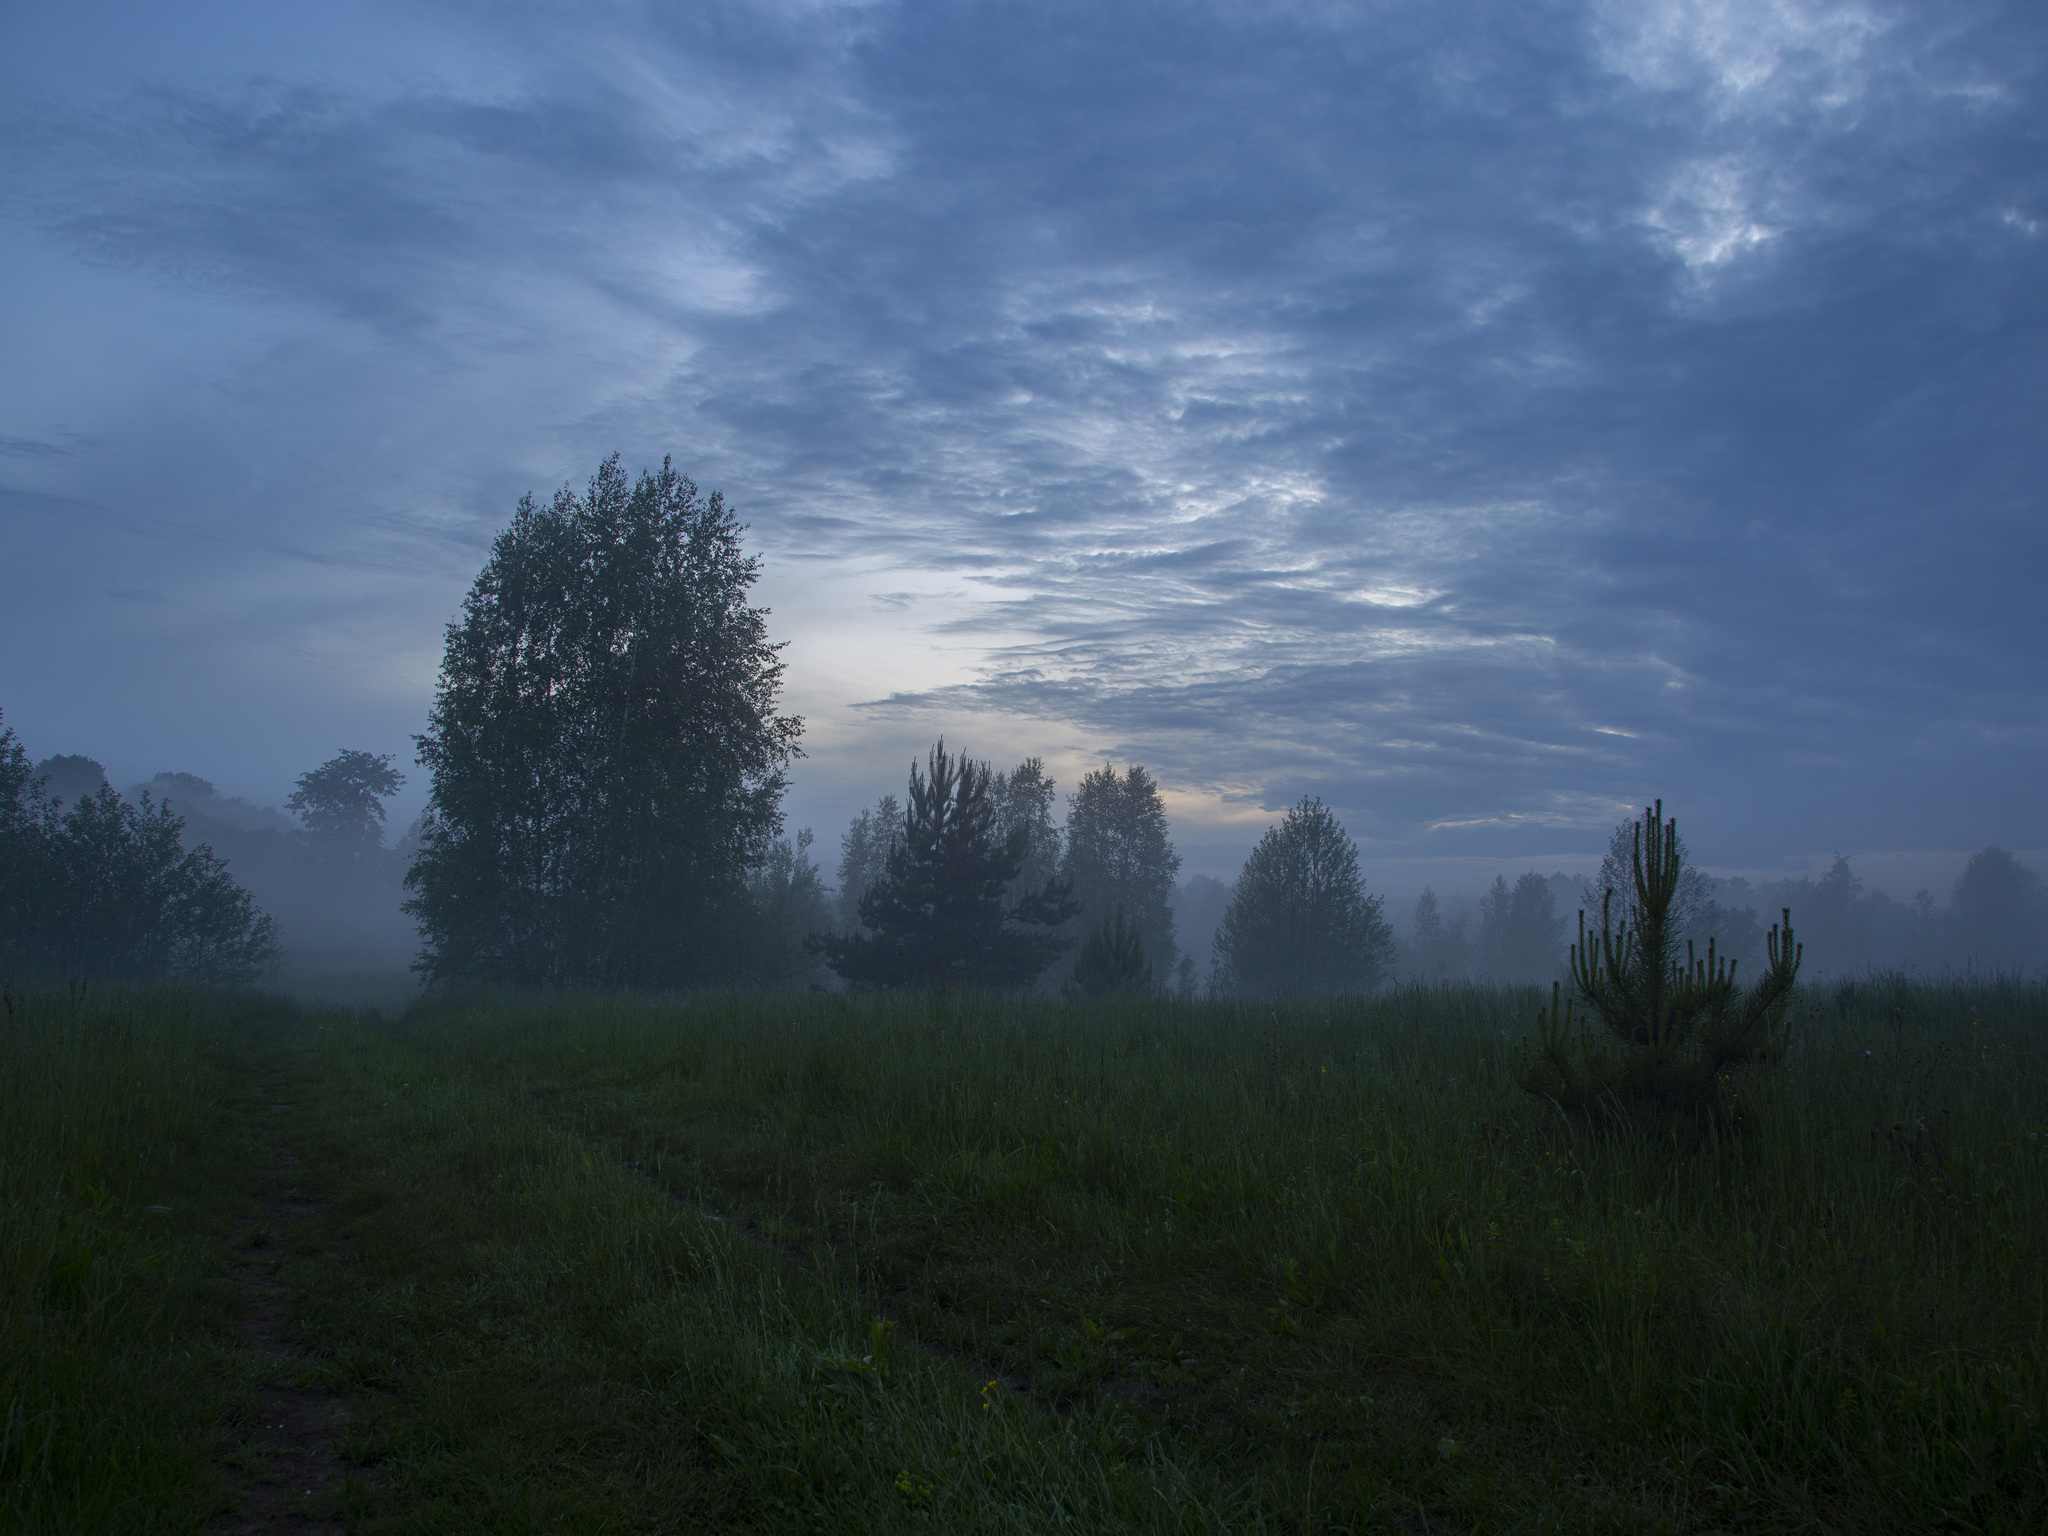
x=1675 y=1029
x=1112 y=959
x=938 y=916
x=1300 y=919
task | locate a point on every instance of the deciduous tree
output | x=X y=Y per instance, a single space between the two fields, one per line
x=606 y=758
x=1119 y=853
x=1301 y=920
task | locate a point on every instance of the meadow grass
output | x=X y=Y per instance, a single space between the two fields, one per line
x=970 y=1264
x=1332 y=1250
x=121 y=1165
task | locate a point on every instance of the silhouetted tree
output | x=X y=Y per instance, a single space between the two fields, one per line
x=1687 y=902
x=107 y=889
x=607 y=762
x=1300 y=920
x=1441 y=950
x=1521 y=937
x=1676 y=1027
x=864 y=856
x=342 y=802
x=1119 y=854
x=938 y=917
x=24 y=807
x=1024 y=798
x=1996 y=913
x=1112 y=959
x=791 y=905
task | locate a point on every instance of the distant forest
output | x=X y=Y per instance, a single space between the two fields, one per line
x=607 y=769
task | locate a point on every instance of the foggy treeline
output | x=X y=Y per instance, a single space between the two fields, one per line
x=1993 y=922
x=331 y=885
x=607 y=771
x=339 y=903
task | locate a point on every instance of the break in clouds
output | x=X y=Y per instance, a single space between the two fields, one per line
x=1483 y=418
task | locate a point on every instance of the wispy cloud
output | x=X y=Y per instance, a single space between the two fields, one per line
x=1483 y=416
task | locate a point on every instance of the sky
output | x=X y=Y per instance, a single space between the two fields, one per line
x=1487 y=418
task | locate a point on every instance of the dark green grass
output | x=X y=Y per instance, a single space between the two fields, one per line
x=1336 y=1250
x=536 y=1338
x=707 y=1264
x=122 y=1163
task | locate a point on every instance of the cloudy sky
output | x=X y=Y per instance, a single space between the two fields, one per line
x=1483 y=416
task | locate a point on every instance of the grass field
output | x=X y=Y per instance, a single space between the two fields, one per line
x=961 y=1264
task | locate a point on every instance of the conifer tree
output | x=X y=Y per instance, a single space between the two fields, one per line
x=1674 y=1029
x=1120 y=853
x=939 y=917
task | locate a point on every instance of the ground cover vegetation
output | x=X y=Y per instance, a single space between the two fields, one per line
x=746 y=1262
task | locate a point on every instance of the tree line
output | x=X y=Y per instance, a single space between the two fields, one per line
x=607 y=760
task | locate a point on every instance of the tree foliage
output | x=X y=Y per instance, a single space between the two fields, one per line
x=939 y=916
x=1300 y=920
x=864 y=856
x=606 y=758
x=1025 y=797
x=104 y=888
x=1996 y=913
x=1440 y=951
x=1521 y=937
x=342 y=802
x=1112 y=959
x=1674 y=1029
x=1119 y=853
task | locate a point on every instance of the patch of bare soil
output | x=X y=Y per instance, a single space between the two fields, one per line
x=287 y=1466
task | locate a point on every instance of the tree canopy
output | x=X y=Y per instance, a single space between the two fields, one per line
x=342 y=801
x=1300 y=920
x=606 y=759
x=1119 y=854
x=1521 y=936
x=940 y=915
x=104 y=888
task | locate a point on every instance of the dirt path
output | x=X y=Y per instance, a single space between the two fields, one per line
x=287 y=1466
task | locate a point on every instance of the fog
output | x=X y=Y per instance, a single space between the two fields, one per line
x=346 y=937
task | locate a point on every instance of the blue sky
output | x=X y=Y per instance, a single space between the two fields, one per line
x=1485 y=417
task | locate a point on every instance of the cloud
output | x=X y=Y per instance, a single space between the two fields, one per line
x=1482 y=417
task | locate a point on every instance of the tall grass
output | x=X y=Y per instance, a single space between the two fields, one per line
x=540 y=1339
x=1338 y=1243
x=118 y=1165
